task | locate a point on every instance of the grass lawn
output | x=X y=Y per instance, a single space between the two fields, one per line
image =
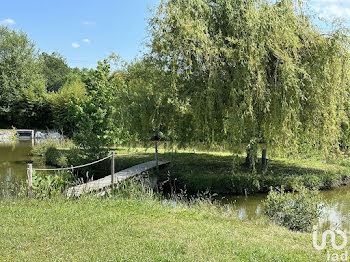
x=93 y=229
x=213 y=171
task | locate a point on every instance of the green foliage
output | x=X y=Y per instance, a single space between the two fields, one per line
x=52 y=152
x=255 y=70
x=55 y=70
x=245 y=183
x=25 y=78
x=64 y=103
x=95 y=116
x=294 y=210
x=331 y=180
x=145 y=102
x=41 y=148
x=48 y=186
x=33 y=110
x=55 y=157
x=132 y=189
x=21 y=85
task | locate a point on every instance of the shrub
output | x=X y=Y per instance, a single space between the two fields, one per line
x=312 y=181
x=70 y=93
x=270 y=180
x=41 y=148
x=293 y=182
x=52 y=155
x=245 y=182
x=55 y=157
x=295 y=210
x=47 y=186
x=330 y=180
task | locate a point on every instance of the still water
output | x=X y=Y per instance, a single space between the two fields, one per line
x=13 y=161
x=336 y=214
x=14 y=157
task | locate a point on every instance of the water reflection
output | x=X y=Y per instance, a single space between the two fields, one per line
x=13 y=159
x=248 y=208
x=336 y=213
x=337 y=210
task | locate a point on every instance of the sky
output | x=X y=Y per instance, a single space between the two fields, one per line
x=332 y=8
x=85 y=31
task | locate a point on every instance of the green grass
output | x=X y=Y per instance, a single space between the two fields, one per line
x=93 y=229
x=199 y=171
x=214 y=171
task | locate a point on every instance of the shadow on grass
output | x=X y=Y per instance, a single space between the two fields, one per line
x=199 y=172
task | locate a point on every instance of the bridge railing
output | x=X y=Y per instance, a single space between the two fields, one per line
x=30 y=168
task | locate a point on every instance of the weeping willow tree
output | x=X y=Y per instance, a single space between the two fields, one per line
x=246 y=72
x=143 y=101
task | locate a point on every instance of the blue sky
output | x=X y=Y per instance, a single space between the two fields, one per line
x=332 y=8
x=85 y=31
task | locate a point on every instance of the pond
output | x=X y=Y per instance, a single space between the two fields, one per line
x=13 y=161
x=14 y=157
x=336 y=214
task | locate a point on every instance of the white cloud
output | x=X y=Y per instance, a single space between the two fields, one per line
x=75 y=45
x=332 y=8
x=87 y=23
x=7 y=21
x=86 y=40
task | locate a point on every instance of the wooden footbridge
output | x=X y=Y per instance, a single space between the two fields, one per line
x=107 y=181
x=110 y=180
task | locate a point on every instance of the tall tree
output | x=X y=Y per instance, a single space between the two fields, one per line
x=63 y=104
x=252 y=71
x=94 y=116
x=55 y=70
x=19 y=72
x=145 y=101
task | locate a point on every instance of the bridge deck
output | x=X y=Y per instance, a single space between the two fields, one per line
x=118 y=177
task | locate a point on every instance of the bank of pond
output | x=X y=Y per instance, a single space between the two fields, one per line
x=193 y=173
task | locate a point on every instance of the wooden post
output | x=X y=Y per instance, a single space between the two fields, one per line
x=112 y=170
x=33 y=138
x=30 y=179
x=156 y=153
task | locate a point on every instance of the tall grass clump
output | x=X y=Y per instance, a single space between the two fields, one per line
x=296 y=210
x=134 y=188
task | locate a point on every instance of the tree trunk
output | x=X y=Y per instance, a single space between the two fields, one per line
x=251 y=158
x=248 y=159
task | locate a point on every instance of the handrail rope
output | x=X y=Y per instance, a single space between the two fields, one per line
x=73 y=167
x=89 y=164
x=134 y=153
